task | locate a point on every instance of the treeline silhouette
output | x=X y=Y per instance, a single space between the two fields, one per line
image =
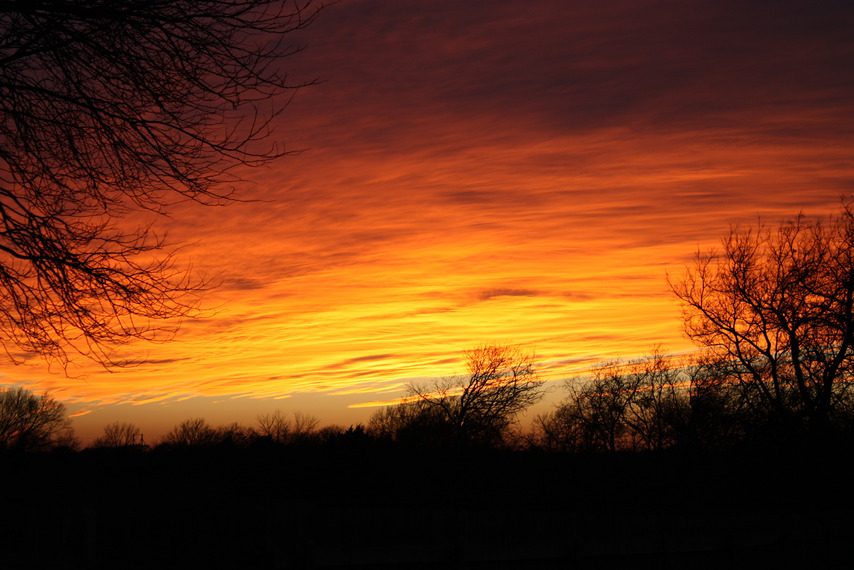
x=695 y=403
x=348 y=497
x=656 y=484
x=736 y=456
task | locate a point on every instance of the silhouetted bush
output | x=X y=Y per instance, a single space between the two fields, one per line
x=412 y=424
x=33 y=423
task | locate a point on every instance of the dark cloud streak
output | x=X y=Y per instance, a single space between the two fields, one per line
x=575 y=66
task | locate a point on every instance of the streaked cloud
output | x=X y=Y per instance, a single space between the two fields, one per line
x=79 y=413
x=475 y=172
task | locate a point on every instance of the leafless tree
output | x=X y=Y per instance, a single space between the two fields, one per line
x=107 y=108
x=660 y=403
x=778 y=307
x=275 y=425
x=281 y=429
x=33 y=423
x=118 y=434
x=720 y=412
x=641 y=404
x=415 y=423
x=304 y=426
x=232 y=434
x=196 y=432
x=330 y=433
x=385 y=422
x=482 y=406
x=335 y=435
x=192 y=432
x=595 y=415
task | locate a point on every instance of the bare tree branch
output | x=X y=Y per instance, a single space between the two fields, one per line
x=779 y=305
x=107 y=108
x=33 y=423
x=118 y=434
x=481 y=407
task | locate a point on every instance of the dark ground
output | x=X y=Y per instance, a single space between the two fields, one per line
x=366 y=505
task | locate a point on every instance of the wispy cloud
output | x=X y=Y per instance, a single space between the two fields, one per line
x=475 y=171
x=487 y=294
x=358 y=360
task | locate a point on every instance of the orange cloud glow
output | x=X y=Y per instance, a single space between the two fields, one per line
x=482 y=173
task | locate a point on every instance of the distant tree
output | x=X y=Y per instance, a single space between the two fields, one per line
x=118 y=434
x=637 y=405
x=111 y=107
x=304 y=426
x=595 y=415
x=561 y=429
x=232 y=434
x=660 y=402
x=281 y=429
x=275 y=426
x=330 y=433
x=33 y=423
x=720 y=413
x=197 y=432
x=414 y=424
x=777 y=306
x=192 y=432
x=353 y=438
x=482 y=406
x=385 y=422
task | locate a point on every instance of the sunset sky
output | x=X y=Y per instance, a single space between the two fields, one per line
x=487 y=171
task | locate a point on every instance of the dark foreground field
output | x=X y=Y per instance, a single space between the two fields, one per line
x=375 y=506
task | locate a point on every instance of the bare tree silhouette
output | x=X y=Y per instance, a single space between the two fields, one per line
x=595 y=415
x=112 y=107
x=33 y=423
x=640 y=405
x=482 y=406
x=660 y=403
x=232 y=434
x=275 y=425
x=415 y=423
x=778 y=306
x=304 y=426
x=721 y=413
x=117 y=434
x=192 y=432
x=281 y=429
x=197 y=432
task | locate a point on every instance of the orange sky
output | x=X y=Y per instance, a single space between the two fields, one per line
x=488 y=172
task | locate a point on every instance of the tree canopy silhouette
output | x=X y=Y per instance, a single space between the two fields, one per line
x=119 y=434
x=281 y=429
x=481 y=406
x=415 y=424
x=777 y=309
x=640 y=405
x=33 y=423
x=112 y=107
